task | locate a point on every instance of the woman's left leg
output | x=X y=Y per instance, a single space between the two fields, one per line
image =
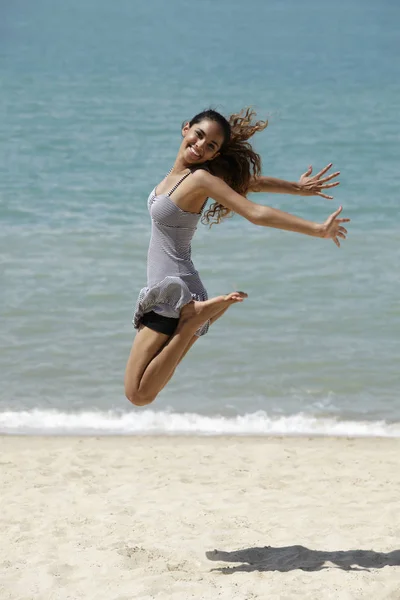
x=154 y=356
x=196 y=337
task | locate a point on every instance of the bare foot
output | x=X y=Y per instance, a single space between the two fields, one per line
x=196 y=313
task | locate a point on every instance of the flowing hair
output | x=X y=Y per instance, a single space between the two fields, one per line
x=237 y=162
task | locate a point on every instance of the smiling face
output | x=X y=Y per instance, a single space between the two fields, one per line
x=202 y=141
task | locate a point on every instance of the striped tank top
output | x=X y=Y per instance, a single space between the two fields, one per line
x=172 y=280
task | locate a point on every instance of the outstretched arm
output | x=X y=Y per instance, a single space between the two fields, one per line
x=266 y=216
x=308 y=184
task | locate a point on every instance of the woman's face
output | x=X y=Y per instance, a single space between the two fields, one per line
x=202 y=141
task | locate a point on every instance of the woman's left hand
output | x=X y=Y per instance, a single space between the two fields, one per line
x=333 y=228
x=313 y=185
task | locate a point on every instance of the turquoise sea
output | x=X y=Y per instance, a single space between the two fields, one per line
x=93 y=95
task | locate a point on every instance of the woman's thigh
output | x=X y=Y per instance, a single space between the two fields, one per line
x=146 y=345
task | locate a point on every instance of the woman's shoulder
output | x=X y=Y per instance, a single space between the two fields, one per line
x=203 y=167
x=201 y=173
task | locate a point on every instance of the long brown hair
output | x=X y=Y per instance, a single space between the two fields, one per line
x=237 y=162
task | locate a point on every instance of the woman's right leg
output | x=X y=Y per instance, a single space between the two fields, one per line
x=151 y=346
x=154 y=356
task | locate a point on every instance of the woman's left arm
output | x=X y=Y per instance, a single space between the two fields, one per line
x=308 y=184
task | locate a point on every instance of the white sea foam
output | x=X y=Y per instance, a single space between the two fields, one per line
x=147 y=422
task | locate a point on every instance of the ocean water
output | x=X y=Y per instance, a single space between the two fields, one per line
x=92 y=99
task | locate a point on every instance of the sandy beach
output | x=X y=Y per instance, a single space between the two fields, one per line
x=121 y=518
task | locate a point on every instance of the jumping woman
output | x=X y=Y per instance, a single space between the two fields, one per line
x=215 y=160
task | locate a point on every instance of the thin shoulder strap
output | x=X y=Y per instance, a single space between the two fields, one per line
x=178 y=184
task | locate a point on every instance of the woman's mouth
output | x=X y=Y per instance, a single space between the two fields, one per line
x=194 y=153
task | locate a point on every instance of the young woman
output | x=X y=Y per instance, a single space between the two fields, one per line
x=215 y=160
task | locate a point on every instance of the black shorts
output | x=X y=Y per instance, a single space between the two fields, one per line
x=166 y=325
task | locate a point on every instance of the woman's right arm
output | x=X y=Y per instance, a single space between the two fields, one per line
x=308 y=184
x=216 y=188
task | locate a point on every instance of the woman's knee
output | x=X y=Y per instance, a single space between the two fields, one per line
x=137 y=398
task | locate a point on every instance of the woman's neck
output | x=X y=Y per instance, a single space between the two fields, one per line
x=180 y=165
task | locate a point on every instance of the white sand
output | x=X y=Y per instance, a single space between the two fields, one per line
x=129 y=517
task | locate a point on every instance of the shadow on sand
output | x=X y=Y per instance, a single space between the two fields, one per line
x=289 y=558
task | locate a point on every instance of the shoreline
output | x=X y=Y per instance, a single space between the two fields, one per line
x=168 y=423
x=203 y=436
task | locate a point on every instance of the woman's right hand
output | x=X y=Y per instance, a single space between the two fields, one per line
x=312 y=185
x=333 y=228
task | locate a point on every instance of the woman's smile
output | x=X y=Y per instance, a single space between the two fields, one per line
x=195 y=153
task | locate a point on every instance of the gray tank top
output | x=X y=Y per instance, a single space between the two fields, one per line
x=171 y=236
x=172 y=279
